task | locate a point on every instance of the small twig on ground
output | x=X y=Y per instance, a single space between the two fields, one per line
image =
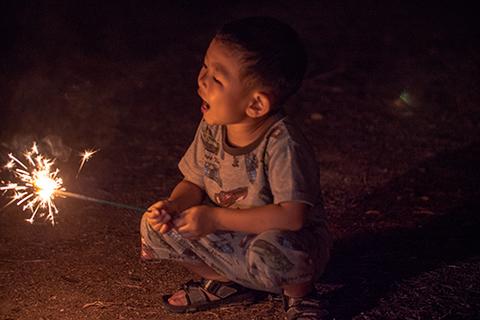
x=95 y=304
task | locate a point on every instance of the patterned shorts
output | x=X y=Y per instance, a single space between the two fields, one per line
x=266 y=261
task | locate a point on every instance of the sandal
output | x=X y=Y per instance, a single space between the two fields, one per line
x=310 y=306
x=229 y=294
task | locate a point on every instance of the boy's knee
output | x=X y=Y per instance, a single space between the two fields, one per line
x=280 y=239
x=272 y=249
x=276 y=257
x=150 y=236
x=144 y=226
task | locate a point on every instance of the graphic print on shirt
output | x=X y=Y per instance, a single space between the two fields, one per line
x=277 y=132
x=265 y=194
x=212 y=171
x=251 y=165
x=209 y=142
x=235 y=162
x=266 y=162
x=227 y=198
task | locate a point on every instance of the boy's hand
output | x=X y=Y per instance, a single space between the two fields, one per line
x=160 y=214
x=196 y=222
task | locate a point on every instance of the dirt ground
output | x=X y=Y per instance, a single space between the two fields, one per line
x=390 y=103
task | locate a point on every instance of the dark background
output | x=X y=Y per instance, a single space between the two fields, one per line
x=389 y=102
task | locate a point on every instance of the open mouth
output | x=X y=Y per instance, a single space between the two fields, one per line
x=205 y=106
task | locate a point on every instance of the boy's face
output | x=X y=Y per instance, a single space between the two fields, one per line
x=219 y=85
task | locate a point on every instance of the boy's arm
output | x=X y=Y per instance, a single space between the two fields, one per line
x=186 y=195
x=289 y=215
x=199 y=221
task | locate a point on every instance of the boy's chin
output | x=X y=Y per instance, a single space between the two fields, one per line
x=208 y=120
x=211 y=123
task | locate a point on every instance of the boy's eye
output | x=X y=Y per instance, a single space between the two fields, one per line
x=204 y=66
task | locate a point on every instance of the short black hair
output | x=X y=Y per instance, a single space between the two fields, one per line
x=272 y=52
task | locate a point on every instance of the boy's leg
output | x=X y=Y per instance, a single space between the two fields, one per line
x=205 y=294
x=271 y=261
x=288 y=260
x=157 y=246
x=298 y=290
x=202 y=270
x=293 y=261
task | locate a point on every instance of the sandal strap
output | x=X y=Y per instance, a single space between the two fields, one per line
x=294 y=314
x=194 y=294
x=195 y=291
x=310 y=306
x=197 y=295
x=218 y=288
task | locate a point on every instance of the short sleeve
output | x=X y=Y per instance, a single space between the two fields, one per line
x=293 y=172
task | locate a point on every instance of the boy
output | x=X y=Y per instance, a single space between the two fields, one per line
x=266 y=229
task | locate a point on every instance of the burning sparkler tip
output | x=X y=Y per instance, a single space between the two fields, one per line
x=38 y=183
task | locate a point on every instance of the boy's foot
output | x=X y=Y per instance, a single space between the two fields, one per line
x=309 y=307
x=206 y=295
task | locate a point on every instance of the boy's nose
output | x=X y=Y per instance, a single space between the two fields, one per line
x=201 y=79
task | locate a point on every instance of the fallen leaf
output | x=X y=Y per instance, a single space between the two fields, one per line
x=316 y=116
x=423 y=211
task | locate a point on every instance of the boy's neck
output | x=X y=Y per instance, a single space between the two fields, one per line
x=241 y=135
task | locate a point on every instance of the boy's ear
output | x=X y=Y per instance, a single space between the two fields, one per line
x=260 y=105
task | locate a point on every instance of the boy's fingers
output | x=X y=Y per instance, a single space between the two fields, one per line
x=161 y=205
x=151 y=214
x=179 y=221
x=165 y=218
x=155 y=211
x=166 y=227
x=163 y=228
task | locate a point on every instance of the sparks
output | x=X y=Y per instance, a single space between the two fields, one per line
x=37 y=186
x=87 y=154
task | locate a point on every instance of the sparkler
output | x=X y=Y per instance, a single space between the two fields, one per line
x=39 y=184
x=82 y=197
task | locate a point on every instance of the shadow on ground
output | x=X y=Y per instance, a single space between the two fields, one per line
x=441 y=196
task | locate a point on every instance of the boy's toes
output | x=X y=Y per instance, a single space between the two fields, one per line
x=178 y=299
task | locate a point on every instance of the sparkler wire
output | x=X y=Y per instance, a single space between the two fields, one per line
x=181 y=244
x=82 y=197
